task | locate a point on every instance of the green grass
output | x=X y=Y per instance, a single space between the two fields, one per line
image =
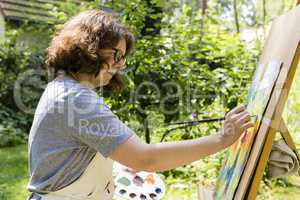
x=14 y=179
x=14 y=173
x=282 y=189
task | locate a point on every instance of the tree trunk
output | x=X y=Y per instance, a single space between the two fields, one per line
x=236 y=16
x=151 y=25
x=147 y=130
x=204 y=7
x=2 y=25
x=264 y=16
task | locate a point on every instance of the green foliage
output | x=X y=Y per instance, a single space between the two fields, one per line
x=11 y=136
x=19 y=91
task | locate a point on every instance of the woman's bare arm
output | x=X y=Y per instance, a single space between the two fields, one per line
x=138 y=155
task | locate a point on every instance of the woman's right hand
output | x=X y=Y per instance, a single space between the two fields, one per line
x=236 y=122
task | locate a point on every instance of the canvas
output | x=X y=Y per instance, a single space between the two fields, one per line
x=258 y=97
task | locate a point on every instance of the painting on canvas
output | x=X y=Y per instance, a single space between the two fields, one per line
x=258 y=97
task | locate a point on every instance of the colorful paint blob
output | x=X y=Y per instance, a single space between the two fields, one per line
x=132 y=195
x=125 y=181
x=122 y=191
x=152 y=196
x=137 y=180
x=150 y=179
x=158 y=190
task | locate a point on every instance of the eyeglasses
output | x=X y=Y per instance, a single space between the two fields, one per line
x=119 y=58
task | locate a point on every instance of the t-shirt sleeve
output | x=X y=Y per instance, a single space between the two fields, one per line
x=95 y=124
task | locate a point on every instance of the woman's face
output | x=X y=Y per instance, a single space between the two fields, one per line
x=112 y=67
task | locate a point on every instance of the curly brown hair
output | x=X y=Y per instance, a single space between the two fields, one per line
x=75 y=49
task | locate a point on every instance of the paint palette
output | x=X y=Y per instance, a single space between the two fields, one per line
x=137 y=186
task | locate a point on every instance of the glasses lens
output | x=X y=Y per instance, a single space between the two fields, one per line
x=118 y=56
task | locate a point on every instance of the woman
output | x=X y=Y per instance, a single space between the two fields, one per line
x=75 y=137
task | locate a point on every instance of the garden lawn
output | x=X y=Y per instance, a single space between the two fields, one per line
x=14 y=173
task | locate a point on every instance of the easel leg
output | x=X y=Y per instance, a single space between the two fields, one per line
x=265 y=156
x=262 y=163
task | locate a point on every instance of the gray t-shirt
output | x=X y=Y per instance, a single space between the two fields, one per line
x=71 y=123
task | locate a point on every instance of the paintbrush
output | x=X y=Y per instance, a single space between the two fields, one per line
x=186 y=124
x=199 y=121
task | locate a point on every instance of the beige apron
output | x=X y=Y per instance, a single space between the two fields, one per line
x=96 y=183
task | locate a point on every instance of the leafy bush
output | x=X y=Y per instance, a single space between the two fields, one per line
x=11 y=136
x=19 y=90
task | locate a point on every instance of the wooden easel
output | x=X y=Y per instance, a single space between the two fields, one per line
x=263 y=144
x=272 y=121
